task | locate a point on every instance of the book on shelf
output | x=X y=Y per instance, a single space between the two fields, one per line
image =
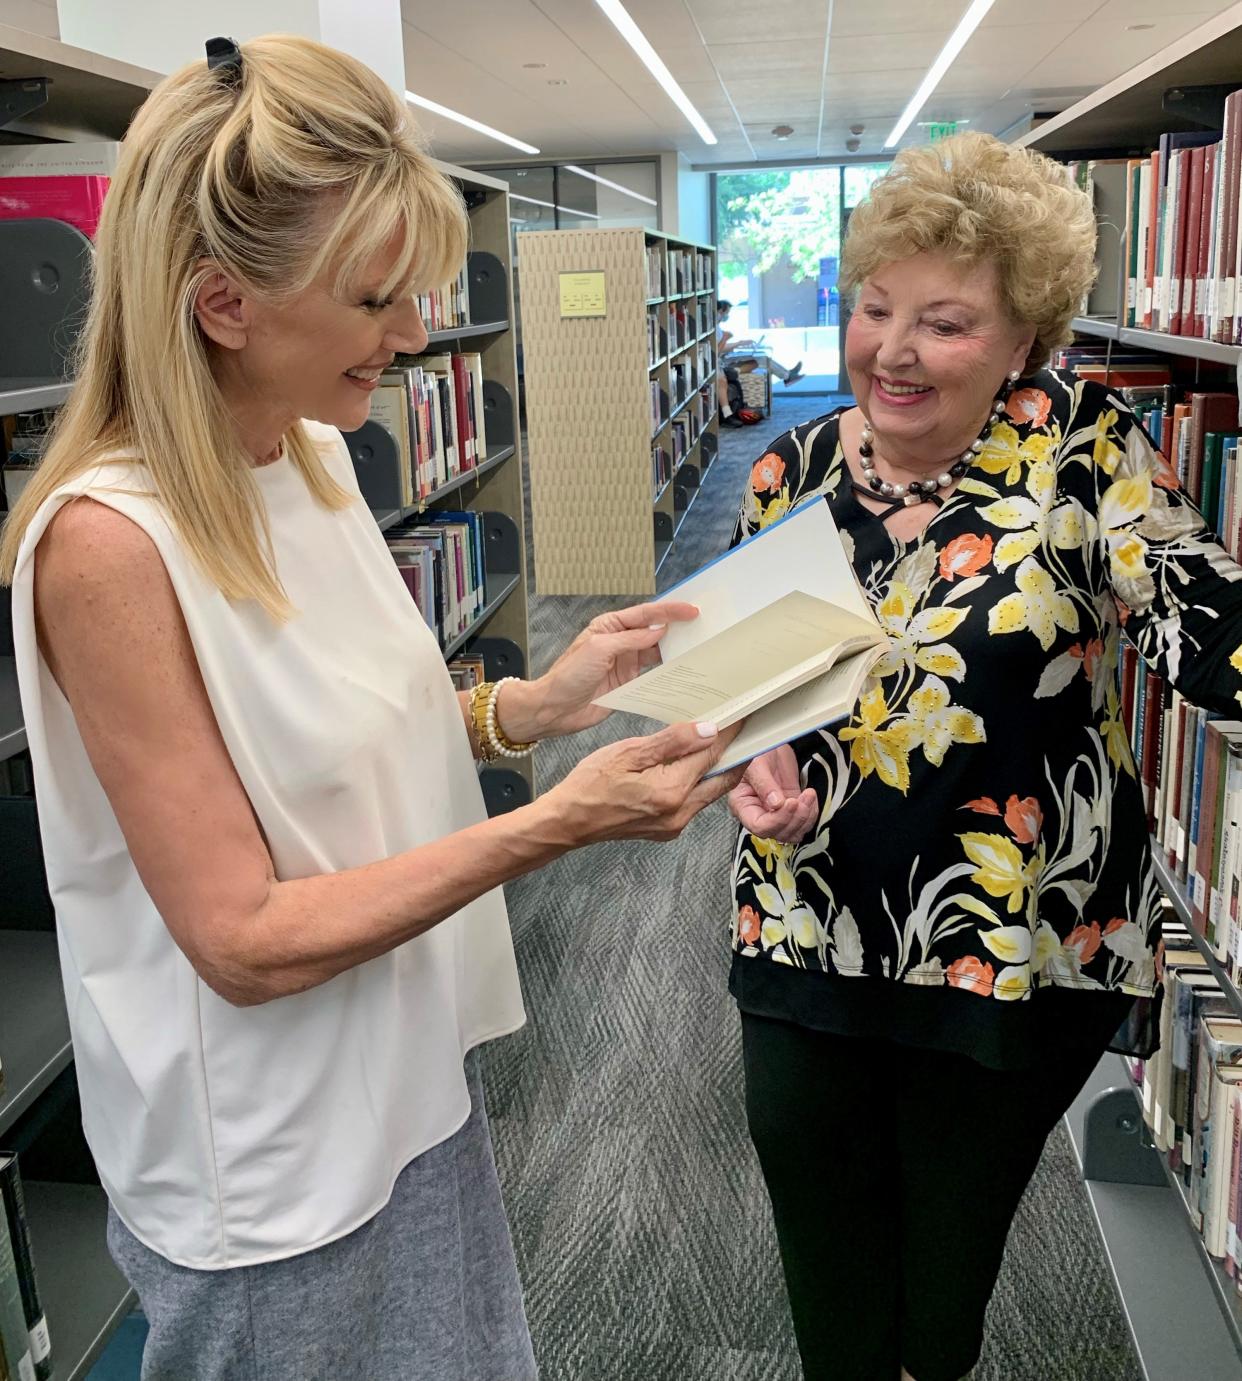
x=442 y=565
x=1169 y=231
x=61 y=181
x=655 y=270
x=14 y=1335
x=14 y=1205
x=433 y=406
x=466 y=671
x=444 y=308
x=791 y=588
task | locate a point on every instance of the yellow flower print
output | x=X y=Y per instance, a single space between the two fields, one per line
x=1003 y=454
x=776 y=509
x=1010 y=943
x=1116 y=735
x=1106 y=453
x=940 y=724
x=884 y=751
x=769 y=849
x=1013 y=984
x=1235 y=659
x=999 y=868
x=1037 y=605
x=907 y=635
x=785 y=915
x=1014 y=547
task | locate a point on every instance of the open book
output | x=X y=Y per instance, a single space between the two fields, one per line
x=785 y=640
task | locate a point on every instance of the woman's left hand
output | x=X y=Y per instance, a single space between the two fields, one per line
x=611 y=650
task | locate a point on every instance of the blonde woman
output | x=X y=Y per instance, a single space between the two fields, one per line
x=963 y=916
x=276 y=889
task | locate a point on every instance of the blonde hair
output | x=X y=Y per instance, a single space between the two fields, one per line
x=309 y=161
x=981 y=200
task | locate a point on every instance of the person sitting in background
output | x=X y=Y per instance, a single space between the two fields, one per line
x=946 y=909
x=735 y=352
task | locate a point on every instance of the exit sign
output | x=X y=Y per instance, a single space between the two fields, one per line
x=941 y=129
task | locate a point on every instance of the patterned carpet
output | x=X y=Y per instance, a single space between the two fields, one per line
x=638 y=1212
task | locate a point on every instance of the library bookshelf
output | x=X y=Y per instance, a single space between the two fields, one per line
x=1184 y=1312
x=85 y=1296
x=621 y=406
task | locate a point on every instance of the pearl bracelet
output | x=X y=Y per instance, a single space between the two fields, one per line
x=500 y=744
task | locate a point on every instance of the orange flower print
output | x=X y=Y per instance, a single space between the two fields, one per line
x=965 y=555
x=1166 y=475
x=1089 y=655
x=767 y=474
x=971 y=974
x=1086 y=940
x=1029 y=406
x=985 y=805
x=748 y=924
x=1024 y=818
x=1115 y=924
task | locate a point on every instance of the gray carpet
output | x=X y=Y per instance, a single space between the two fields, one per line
x=638 y=1212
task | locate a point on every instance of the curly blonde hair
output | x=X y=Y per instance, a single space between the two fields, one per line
x=981 y=200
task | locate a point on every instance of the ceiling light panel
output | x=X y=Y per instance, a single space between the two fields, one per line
x=477 y=125
x=957 y=40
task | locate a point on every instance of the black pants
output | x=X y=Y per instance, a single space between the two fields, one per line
x=894 y=1174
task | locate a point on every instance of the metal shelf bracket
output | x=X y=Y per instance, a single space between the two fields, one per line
x=21 y=95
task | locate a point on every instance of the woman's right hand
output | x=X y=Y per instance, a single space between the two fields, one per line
x=770 y=800
x=643 y=788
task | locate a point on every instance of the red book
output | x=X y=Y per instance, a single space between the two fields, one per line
x=1231 y=152
x=76 y=198
x=1175 y=767
x=1153 y=220
x=1209 y=412
x=1196 y=319
x=1129 y=666
x=461 y=392
x=1186 y=239
x=1209 y=777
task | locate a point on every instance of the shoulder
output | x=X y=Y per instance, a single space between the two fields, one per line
x=92 y=550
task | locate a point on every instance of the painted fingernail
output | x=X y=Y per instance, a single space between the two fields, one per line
x=706 y=729
x=656 y=627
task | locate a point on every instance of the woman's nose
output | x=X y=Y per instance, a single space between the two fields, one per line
x=407 y=335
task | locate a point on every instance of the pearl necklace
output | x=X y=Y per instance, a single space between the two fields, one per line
x=924 y=491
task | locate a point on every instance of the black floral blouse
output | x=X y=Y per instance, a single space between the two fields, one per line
x=982 y=840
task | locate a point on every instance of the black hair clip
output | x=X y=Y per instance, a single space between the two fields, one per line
x=224 y=54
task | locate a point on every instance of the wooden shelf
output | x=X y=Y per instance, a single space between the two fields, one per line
x=1188 y=346
x=1127 y=113
x=1177 y=1327
x=34 y=1027
x=84 y=1294
x=28 y=395
x=1176 y=894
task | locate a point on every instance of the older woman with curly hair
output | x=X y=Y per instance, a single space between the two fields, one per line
x=946 y=909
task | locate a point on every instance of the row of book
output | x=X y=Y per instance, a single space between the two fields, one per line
x=659 y=406
x=655 y=337
x=661 y=470
x=467 y=670
x=683 y=325
x=655 y=270
x=1192 y=1096
x=690 y=270
x=25 y=1344
x=1169 y=230
x=448 y=307
x=433 y=406
x=442 y=564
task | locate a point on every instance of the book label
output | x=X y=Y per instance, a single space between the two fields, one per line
x=40 y=1341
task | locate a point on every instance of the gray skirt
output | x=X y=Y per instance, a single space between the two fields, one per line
x=427 y=1290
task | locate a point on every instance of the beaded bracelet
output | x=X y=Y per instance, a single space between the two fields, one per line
x=491 y=738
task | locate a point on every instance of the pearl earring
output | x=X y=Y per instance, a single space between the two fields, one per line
x=1014 y=375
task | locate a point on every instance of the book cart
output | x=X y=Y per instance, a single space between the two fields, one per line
x=1183 y=1310
x=619 y=330
x=52 y=90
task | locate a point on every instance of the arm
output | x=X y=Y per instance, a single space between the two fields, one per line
x=112 y=633
x=1178 y=595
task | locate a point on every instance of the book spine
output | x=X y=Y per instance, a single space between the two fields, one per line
x=14 y=1336
x=1154 y=203
x=1151 y=742
x=28 y=1284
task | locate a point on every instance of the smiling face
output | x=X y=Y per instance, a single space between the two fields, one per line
x=927 y=350
x=317 y=354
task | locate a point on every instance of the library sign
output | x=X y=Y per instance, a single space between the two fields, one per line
x=583 y=294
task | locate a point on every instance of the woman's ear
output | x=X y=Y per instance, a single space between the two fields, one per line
x=1022 y=349
x=224 y=313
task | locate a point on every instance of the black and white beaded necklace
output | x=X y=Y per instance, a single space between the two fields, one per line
x=899 y=496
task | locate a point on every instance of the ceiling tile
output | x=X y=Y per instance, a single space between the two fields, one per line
x=754 y=21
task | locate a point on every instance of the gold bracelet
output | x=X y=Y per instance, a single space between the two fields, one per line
x=492 y=740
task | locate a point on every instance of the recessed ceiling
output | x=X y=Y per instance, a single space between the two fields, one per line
x=749 y=65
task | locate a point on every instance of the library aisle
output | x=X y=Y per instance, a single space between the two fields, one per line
x=639 y=1217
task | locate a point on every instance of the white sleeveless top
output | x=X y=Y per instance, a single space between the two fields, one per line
x=230 y=1136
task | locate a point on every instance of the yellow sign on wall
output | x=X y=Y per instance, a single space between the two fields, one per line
x=583 y=294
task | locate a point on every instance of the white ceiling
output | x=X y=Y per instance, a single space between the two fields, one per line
x=818 y=65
